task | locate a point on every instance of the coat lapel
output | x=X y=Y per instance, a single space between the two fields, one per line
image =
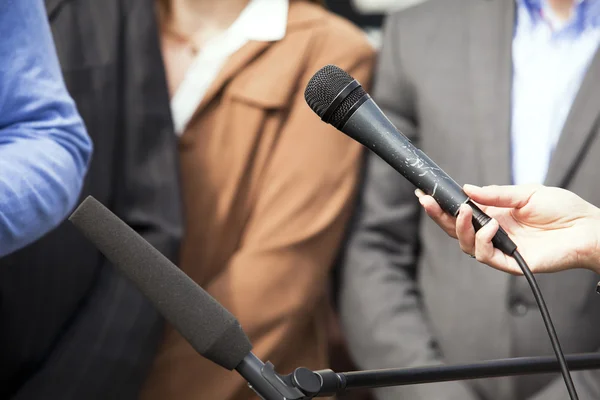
x=302 y=17
x=580 y=127
x=238 y=61
x=490 y=52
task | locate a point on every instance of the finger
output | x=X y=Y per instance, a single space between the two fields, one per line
x=464 y=229
x=484 y=249
x=435 y=212
x=502 y=262
x=486 y=253
x=501 y=196
x=419 y=193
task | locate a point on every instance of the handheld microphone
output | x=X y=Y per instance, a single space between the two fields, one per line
x=211 y=330
x=342 y=102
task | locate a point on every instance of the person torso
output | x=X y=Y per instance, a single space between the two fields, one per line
x=460 y=64
x=46 y=288
x=227 y=142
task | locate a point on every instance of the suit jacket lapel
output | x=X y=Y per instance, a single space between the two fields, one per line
x=490 y=52
x=579 y=128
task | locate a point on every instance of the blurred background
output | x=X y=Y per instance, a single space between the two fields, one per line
x=368 y=14
x=196 y=111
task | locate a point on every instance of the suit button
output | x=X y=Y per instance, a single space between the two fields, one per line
x=518 y=308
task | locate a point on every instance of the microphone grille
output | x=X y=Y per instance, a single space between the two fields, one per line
x=346 y=105
x=324 y=86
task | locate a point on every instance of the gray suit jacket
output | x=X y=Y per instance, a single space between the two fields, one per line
x=409 y=296
x=71 y=327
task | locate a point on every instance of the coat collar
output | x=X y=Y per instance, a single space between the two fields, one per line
x=301 y=16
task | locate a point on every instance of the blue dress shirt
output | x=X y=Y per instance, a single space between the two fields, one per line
x=550 y=60
x=44 y=147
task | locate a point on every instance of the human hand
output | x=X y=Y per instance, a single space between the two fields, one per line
x=553 y=228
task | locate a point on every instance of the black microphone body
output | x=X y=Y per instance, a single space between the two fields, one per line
x=342 y=102
x=398 y=151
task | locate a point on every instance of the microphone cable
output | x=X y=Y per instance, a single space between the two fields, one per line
x=537 y=294
x=505 y=244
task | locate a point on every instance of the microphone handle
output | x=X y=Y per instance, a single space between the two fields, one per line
x=398 y=151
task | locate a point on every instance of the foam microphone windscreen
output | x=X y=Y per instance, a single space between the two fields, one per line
x=212 y=330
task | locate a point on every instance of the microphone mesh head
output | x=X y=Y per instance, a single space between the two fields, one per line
x=324 y=86
x=345 y=106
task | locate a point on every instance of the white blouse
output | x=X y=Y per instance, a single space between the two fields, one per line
x=261 y=20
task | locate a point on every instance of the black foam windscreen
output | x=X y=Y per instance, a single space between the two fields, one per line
x=327 y=92
x=211 y=330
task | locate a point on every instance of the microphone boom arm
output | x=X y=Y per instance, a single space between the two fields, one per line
x=303 y=384
x=335 y=383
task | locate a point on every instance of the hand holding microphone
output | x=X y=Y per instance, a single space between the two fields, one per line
x=555 y=228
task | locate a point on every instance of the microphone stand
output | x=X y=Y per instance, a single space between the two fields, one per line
x=337 y=383
x=309 y=384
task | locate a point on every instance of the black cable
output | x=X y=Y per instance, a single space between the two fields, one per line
x=504 y=243
x=537 y=294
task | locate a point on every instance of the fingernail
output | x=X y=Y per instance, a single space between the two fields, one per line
x=419 y=193
x=470 y=187
x=463 y=208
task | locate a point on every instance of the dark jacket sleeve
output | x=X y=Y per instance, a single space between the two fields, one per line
x=381 y=311
x=148 y=196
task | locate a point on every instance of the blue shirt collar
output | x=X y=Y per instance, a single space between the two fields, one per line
x=587 y=14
